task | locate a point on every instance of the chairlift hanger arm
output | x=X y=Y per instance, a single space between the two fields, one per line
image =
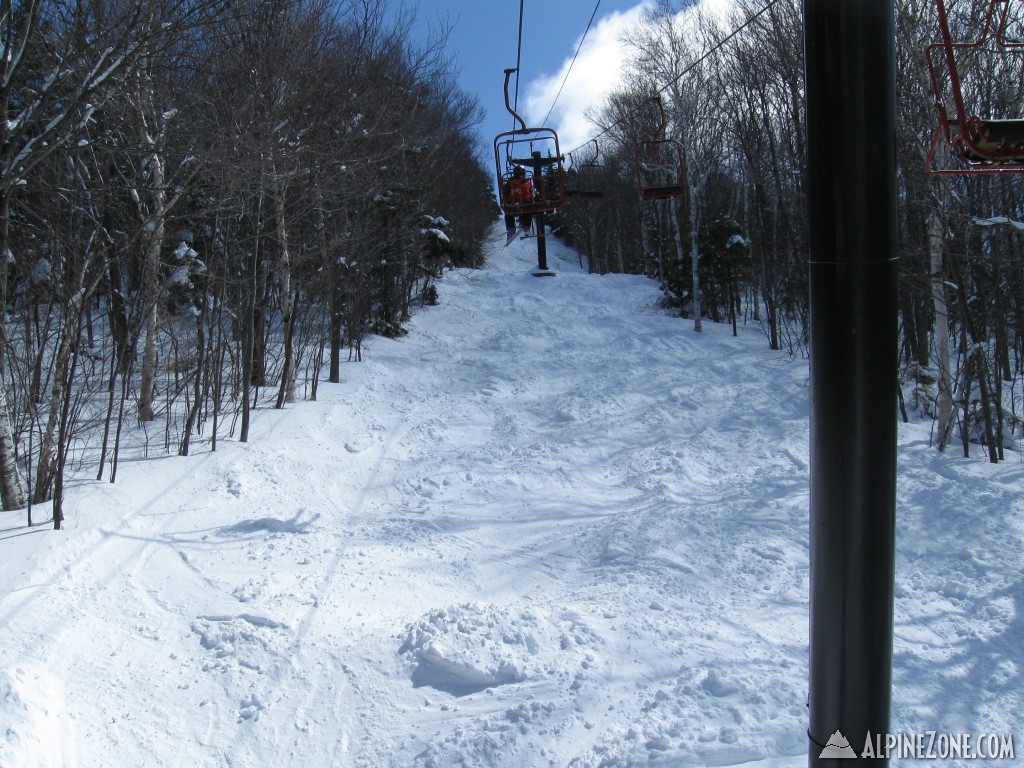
x=591 y=161
x=660 y=132
x=508 y=104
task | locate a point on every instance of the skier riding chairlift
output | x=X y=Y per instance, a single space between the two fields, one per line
x=518 y=191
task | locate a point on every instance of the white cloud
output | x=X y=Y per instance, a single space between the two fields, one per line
x=595 y=74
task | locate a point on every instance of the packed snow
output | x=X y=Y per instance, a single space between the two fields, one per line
x=552 y=525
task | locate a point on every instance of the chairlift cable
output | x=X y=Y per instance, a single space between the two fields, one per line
x=717 y=47
x=575 y=55
x=519 y=54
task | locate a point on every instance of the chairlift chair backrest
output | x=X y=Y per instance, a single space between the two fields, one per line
x=586 y=179
x=660 y=172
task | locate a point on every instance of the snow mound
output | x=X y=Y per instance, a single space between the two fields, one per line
x=249 y=641
x=468 y=648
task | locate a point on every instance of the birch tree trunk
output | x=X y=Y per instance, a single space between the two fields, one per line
x=12 y=495
x=694 y=255
x=84 y=279
x=673 y=207
x=147 y=376
x=46 y=464
x=944 y=398
x=287 y=391
x=155 y=223
x=249 y=328
x=10 y=479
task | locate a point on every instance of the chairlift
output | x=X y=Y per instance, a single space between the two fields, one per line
x=537 y=151
x=660 y=164
x=975 y=144
x=587 y=179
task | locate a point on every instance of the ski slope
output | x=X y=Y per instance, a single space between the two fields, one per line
x=552 y=526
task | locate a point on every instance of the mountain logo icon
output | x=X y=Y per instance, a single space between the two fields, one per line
x=838 y=747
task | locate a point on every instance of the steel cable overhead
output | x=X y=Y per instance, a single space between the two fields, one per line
x=519 y=57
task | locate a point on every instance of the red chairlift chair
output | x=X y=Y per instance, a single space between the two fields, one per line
x=975 y=144
x=536 y=150
x=660 y=164
x=586 y=180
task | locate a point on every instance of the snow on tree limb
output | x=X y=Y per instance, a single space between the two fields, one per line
x=996 y=220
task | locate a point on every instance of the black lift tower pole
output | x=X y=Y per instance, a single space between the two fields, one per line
x=851 y=190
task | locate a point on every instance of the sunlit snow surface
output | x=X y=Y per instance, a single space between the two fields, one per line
x=550 y=526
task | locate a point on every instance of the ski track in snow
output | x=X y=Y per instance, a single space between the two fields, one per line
x=550 y=526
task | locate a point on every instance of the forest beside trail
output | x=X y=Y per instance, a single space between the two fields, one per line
x=206 y=204
x=198 y=201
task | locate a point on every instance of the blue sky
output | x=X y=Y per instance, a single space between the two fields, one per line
x=484 y=42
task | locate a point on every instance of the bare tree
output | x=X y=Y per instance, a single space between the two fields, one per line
x=59 y=63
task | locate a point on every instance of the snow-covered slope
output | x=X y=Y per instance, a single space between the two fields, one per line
x=550 y=526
